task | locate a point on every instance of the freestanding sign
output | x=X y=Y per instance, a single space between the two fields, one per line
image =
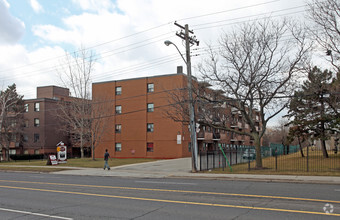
x=61 y=152
x=52 y=160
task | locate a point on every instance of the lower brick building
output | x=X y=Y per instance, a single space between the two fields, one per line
x=42 y=129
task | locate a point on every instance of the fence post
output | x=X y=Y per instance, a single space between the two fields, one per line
x=248 y=156
x=200 y=161
x=236 y=155
x=207 y=160
x=307 y=158
x=213 y=159
x=276 y=159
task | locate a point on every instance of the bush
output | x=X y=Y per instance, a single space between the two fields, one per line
x=27 y=157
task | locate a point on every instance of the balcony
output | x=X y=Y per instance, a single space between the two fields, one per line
x=233 y=124
x=204 y=135
x=216 y=136
x=237 y=138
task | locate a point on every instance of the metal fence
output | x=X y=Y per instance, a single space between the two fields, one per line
x=275 y=158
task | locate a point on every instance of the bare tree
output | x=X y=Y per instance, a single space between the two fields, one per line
x=101 y=110
x=178 y=109
x=325 y=27
x=75 y=73
x=256 y=67
x=11 y=117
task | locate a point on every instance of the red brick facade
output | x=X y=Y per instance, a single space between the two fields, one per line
x=132 y=138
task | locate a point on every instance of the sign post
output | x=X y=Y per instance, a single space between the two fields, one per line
x=61 y=152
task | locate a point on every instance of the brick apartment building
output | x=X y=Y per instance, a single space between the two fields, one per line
x=42 y=130
x=137 y=125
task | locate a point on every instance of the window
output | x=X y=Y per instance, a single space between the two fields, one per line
x=150 y=87
x=13 y=137
x=36 y=106
x=12 y=152
x=26 y=124
x=26 y=107
x=118 y=147
x=25 y=151
x=118 y=90
x=118 y=128
x=150 y=127
x=150 y=107
x=118 y=109
x=149 y=147
x=36 y=138
x=25 y=138
x=36 y=151
x=36 y=122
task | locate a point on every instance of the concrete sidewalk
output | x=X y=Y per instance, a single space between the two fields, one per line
x=181 y=168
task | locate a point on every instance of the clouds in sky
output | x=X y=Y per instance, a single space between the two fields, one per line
x=11 y=28
x=128 y=35
x=36 y=6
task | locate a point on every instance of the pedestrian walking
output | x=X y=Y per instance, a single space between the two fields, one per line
x=106 y=158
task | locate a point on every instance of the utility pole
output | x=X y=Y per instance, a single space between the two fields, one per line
x=188 y=42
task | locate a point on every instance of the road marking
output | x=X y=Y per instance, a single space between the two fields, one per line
x=177 y=191
x=173 y=183
x=174 y=201
x=37 y=214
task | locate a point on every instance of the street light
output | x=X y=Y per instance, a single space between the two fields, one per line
x=191 y=105
x=167 y=43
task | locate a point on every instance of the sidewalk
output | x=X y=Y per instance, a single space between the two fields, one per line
x=181 y=168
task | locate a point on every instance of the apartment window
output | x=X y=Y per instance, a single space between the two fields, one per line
x=25 y=151
x=12 y=152
x=150 y=87
x=36 y=151
x=26 y=107
x=36 y=106
x=13 y=137
x=118 y=109
x=26 y=123
x=36 y=138
x=36 y=122
x=150 y=127
x=149 y=147
x=118 y=90
x=25 y=138
x=150 y=107
x=118 y=147
x=118 y=128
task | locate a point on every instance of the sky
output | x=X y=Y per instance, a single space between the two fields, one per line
x=126 y=36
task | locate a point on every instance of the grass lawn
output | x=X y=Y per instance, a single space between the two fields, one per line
x=292 y=164
x=85 y=162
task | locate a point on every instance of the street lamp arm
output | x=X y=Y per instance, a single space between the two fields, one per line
x=167 y=43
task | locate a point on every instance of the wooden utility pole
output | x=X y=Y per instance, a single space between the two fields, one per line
x=188 y=42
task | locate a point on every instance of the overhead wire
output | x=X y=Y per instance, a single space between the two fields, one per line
x=255 y=5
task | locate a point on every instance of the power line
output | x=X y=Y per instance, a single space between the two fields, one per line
x=234 y=9
x=249 y=6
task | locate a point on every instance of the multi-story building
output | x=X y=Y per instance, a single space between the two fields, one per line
x=42 y=129
x=138 y=123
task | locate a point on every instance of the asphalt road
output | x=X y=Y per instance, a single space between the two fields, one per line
x=53 y=196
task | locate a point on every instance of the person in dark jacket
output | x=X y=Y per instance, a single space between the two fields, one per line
x=106 y=158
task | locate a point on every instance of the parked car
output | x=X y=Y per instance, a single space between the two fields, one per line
x=249 y=154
